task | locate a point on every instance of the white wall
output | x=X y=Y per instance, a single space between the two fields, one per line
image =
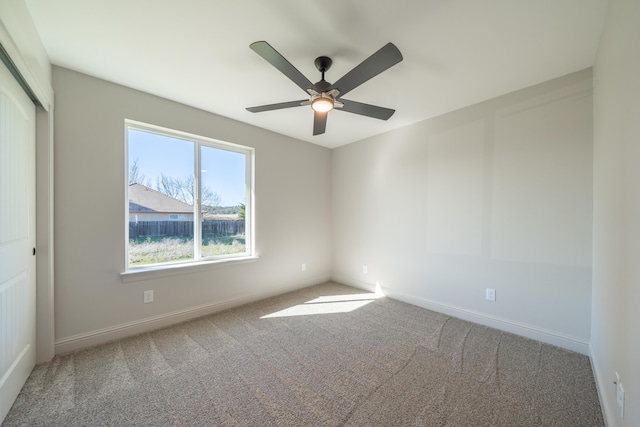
x=92 y=304
x=497 y=195
x=615 y=339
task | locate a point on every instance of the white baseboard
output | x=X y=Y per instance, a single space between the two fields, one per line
x=529 y=331
x=365 y=286
x=111 y=333
x=606 y=389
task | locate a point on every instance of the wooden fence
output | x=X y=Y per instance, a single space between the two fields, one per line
x=210 y=228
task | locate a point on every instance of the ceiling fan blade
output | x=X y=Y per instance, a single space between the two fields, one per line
x=272 y=56
x=319 y=122
x=383 y=59
x=278 y=106
x=366 y=109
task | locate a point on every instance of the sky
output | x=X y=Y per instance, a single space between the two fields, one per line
x=222 y=171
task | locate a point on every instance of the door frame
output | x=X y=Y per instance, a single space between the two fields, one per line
x=41 y=88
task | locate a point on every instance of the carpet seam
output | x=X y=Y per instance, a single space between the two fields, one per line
x=464 y=344
x=442 y=330
x=352 y=411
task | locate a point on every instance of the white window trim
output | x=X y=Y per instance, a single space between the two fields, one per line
x=137 y=273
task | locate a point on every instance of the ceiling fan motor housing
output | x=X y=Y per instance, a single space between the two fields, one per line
x=322 y=85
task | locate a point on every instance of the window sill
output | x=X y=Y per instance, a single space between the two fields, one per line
x=138 y=274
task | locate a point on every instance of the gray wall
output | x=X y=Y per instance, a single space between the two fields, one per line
x=92 y=304
x=615 y=340
x=497 y=195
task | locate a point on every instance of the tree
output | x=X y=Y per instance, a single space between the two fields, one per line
x=241 y=211
x=135 y=175
x=183 y=189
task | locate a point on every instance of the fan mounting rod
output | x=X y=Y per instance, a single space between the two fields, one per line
x=323 y=63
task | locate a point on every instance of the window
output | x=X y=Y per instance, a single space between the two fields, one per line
x=176 y=217
x=189 y=198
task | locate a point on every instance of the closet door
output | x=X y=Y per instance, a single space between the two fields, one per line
x=17 y=239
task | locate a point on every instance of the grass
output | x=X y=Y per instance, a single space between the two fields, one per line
x=223 y=245
x=154 y=250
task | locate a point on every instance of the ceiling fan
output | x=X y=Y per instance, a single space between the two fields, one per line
x=324 y=96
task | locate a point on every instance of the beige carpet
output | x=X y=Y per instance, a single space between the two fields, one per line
x=328 y=355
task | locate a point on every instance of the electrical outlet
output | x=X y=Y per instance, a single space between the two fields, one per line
x=304 y=267
x=148 y=296
x=365 y=269
x=491 y=294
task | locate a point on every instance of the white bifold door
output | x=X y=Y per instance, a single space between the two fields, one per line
x=17 y=239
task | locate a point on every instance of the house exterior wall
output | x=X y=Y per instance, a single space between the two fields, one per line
x=154 y=216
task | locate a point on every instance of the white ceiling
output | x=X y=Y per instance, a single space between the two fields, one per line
x=456 y=52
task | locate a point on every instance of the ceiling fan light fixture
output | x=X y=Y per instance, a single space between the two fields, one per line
x=322 y=103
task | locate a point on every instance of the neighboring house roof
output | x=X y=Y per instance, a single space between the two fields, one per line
x=145 y=199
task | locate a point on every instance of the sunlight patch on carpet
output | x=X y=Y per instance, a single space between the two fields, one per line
x=329 y=304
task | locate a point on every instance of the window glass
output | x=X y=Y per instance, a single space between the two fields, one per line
x=223 y=191
x=184 y=186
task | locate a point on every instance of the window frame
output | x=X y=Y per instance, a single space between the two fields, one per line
x=142 y=272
